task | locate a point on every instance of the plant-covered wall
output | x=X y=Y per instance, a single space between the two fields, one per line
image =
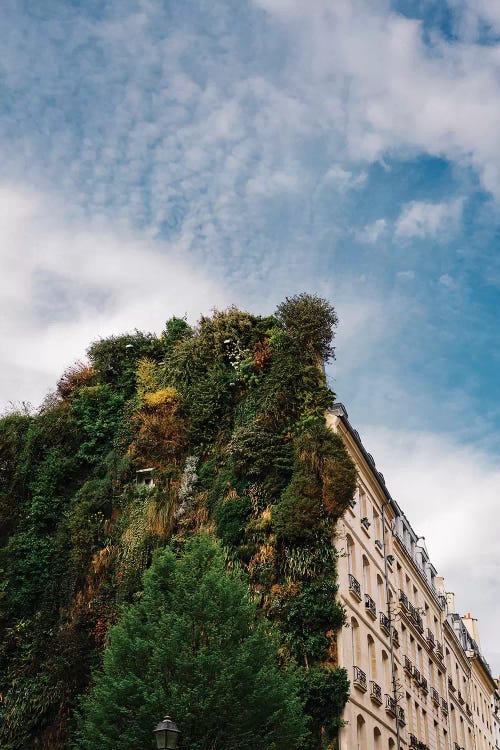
x=228 y=420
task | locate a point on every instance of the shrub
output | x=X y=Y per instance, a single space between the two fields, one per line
x=310 y=321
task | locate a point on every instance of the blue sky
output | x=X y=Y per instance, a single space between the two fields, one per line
x=165 y=158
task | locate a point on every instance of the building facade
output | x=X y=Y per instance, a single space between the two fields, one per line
x=416 y=671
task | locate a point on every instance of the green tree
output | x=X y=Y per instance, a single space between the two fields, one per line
x=195 y=647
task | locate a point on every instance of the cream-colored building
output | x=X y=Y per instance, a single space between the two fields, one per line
x=413 y=666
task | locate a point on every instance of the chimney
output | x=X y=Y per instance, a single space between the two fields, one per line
x=439 y=583
x=472 y=626
x=450 y=601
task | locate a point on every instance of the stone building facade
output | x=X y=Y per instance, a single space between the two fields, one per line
x=418 y=678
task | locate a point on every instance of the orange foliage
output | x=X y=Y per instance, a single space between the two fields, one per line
x=75 y=377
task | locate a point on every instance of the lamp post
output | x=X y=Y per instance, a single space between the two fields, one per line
x=167 y=734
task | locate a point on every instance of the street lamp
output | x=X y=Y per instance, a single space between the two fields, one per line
x=167 y=734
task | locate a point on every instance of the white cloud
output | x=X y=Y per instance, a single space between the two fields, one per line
x=419 y=219
x=372 y=77
x=371 y=232
x=449 y=491
x=64 y=285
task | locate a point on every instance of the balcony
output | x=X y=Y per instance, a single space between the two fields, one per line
x=444 y=706
x=404 y=600
x=451 y=686
x=354 y=587
x=395 y=637
x=416 y=675
x=370 y=606
x=435 y=696
x=379 y=544
x=424 y=685
x=408 y=666
x=365 y=523
x=390 y=705
x=385 y=624
x=359 y=679
x=439 y=649
x=352 y=502
x=461 y=699
x=401 y=716
x=375 y=693
x=413 y=741
x=430 y=638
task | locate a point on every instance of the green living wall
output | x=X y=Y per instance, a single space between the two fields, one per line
x=230 y=418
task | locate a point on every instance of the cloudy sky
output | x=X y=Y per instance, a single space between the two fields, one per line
x=162 y=158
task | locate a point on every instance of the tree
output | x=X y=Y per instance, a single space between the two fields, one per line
x=193 y=646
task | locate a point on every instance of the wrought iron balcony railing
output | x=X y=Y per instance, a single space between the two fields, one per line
x=370 y=606
x=384 y=623
x=375 y=692
x=359 y=678
x=354 y=587
x=390 y=705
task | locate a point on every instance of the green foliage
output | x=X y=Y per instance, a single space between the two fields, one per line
x=176 y=329
x=115 y=359
x=309 y=616
x=262 y=456
x=310 y=321
x=13 y=429
x=325 y=692
x=230 y=414
x=231 y=518
x=27 y=561
x=192 y=646
x=97 y=410
x=298 y=517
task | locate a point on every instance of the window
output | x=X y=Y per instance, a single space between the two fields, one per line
x=372 y=658
x=381 y=594
x=366 y=575
x=363 y=505
x=351 y=566
x=386 y=671
x=356 y=645
x=361 y=732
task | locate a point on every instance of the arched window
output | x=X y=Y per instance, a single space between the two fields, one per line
x=372 y=658
x=377 y=738
x=386 y=671
x=391 y=744
x=366 y=575
x=361 y=732
x=356 y=645
x=381 y=594
x=351 y=563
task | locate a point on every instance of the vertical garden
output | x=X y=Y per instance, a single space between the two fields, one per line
x=168 y=466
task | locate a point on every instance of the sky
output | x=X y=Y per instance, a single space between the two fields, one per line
x=161 y=158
